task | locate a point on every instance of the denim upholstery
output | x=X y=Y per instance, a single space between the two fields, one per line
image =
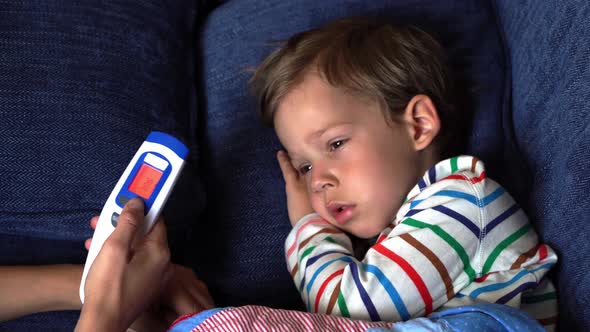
x=82 y=83
x=549 y=48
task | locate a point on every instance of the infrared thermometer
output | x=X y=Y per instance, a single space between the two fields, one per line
x=150 y=175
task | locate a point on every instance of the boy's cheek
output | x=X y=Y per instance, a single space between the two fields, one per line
x=318 y=207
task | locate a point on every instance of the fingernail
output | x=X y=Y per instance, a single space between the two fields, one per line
x=134 y=204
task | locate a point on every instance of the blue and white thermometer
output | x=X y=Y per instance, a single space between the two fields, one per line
x=151 y=175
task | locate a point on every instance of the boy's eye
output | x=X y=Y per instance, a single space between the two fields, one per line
x=304 y=169
x=337 y=144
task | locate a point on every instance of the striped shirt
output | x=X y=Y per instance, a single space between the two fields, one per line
x=458 y=239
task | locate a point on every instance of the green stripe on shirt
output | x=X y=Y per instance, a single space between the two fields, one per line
x=454 y=166
x=342 y=305
x=448 y=239
x=539 y=298
x=305 y=253
x=500 y=247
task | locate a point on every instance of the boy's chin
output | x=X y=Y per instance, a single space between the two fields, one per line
x=367 y=234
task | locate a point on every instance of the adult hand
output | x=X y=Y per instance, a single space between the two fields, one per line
x=183 y=294
x=297 y=198
x=125 y=278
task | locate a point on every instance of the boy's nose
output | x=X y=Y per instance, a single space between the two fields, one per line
x=322 y=178
x=321 y=185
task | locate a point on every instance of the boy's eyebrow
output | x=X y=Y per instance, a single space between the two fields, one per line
x=320 y=132
x=294 y=157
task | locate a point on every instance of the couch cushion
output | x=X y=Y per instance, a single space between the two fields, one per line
x=246 y=221
x=81 y=85
x=549 y=50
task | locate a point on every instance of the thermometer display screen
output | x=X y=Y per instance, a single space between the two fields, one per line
x=145 y=181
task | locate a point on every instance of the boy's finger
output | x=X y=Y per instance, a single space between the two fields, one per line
x=93 y=222
x=129 y=222
x=287 y=169
x=87 y=244
x=201 y=294
x=170 y=316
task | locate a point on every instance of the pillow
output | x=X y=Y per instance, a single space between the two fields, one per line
x=549 y=45
x=246 y=215
x=81 y=86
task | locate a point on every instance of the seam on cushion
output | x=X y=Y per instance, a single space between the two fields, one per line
x=509 y=137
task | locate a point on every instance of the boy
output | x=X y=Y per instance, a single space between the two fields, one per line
x=365 y=111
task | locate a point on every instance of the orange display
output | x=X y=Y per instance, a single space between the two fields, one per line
x=145 y=181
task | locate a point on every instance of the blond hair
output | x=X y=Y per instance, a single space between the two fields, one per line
x=365 y=57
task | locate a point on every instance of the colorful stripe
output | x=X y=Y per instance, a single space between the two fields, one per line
x=499 y=219
x=323 y=288
x=524 y=257
x=500 y=285
x=363 y=293
x=334 y=297
x=470 y=198
x=412 y=274
x=448 y=239
x=320 y=269
x=518 y=290
x=473 y=180
x=460 y=218
x=432 y=175
x=259 y=318
x=539 y=298
x=321 y=231
x=342 y=305
x=421 y=184
x=503 y=245
x=454 y=166
x=390 y=289
x=434 y=260
x=314 y=259
x=317 y=220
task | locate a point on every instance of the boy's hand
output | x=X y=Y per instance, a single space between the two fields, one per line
x=185 y=293
x=296 y=189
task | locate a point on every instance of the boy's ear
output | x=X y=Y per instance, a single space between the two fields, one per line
x=422 y=116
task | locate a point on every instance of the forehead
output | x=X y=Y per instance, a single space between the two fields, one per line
x=313 y=105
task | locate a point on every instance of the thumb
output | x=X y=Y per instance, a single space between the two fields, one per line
x=129 y=223
x=289 y=173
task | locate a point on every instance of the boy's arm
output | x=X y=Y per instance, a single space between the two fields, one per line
x=436 y=251
x=408 y=273
x=29 y=289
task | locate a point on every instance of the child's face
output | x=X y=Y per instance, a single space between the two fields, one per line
x=358 y=166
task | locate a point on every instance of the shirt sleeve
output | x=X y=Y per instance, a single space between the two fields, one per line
x=414 y=267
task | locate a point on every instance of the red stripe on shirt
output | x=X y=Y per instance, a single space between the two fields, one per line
x=411 y=272
x=476 y=179
x=323 y=287
x=542 y=252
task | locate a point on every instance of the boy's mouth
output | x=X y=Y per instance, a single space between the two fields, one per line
x=341 y=212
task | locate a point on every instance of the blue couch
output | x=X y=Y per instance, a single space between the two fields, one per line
x=82 y=84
